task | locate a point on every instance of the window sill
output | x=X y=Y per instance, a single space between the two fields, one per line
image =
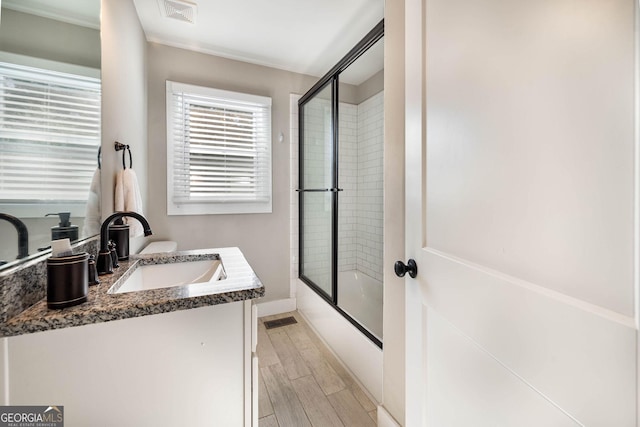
x=218 y=208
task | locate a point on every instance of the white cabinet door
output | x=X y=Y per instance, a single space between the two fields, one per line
x=521 y=212
x=184 y=368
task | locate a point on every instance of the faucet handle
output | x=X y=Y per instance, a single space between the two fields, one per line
x=103 y=263
x=93 y=274
x=114 y=254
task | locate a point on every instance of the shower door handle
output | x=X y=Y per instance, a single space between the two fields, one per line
x=401 y=269
x=318 y=190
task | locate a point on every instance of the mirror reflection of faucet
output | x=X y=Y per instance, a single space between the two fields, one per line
x=105 y=261
x=23 y=234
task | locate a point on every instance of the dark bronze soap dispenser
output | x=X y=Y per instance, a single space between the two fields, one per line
x=64 y=229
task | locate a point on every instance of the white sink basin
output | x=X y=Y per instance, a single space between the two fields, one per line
x=156 y=276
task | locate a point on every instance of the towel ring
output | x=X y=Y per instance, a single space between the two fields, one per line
x=123 y=147
x=124 y=166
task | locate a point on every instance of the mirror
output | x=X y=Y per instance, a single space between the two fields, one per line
x=49 y=124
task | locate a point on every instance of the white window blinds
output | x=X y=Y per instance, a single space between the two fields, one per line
x=49 y=135
x=219 y=151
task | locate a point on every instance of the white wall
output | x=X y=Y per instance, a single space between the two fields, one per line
x=263 y=238
x=124 y=100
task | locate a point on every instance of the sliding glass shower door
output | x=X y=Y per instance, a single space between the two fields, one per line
x=316 y=195
x=340 y=195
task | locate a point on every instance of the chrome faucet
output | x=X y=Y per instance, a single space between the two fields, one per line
x=104 y=263
x=23 y=234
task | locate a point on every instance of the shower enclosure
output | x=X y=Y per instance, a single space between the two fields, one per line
x=341 y=186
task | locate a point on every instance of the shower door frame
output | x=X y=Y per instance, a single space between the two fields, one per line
x=330 y=79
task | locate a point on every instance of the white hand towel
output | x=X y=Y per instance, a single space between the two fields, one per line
x=128 y=198
x=92 y=220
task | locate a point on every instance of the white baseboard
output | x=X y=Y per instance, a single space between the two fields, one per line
x=276 y=307
x=384 y=419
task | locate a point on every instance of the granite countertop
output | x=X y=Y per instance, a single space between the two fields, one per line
x=240 y=284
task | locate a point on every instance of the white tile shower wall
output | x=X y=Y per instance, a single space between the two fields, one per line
x=369 y=234
x=348 y=176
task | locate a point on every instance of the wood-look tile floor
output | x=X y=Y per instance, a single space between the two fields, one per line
x=302 y=384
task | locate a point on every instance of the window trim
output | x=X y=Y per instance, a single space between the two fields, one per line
x=213 y=207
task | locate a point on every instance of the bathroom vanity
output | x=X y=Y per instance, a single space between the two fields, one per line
x=177 y=355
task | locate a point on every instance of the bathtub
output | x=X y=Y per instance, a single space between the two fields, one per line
x=361 y=297
x=358 y=353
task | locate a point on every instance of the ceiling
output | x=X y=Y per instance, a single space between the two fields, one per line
x=303 y=36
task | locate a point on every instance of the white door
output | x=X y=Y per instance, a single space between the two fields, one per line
x=521 y=213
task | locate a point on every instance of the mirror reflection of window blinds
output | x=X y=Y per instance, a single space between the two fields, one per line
x=49 y=134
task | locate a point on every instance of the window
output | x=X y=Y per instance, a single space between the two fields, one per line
x=218 y=151
x=49 y=136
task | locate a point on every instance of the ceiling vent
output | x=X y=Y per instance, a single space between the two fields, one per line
x=178 y=9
